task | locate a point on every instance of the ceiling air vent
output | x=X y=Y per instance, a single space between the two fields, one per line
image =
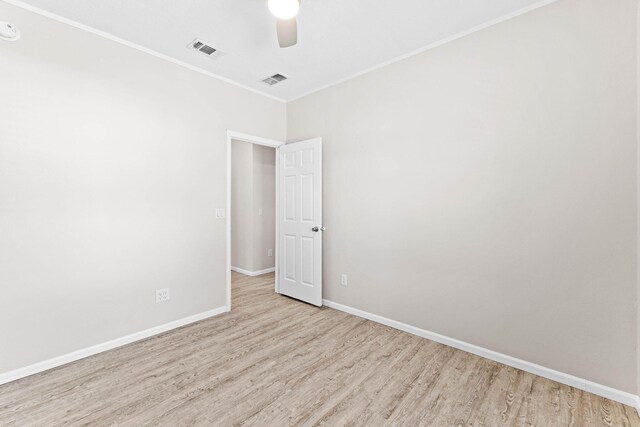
x=202 y=47
x=276 y=78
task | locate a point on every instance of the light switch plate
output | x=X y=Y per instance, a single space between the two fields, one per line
x=220 y=213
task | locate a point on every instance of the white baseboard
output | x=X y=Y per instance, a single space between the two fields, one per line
x=570 y=380
x=253 y=273
x=109 y=345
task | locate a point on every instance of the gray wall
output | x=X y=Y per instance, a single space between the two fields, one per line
x=264 y=198
x=112 y=163
x=253 y=196
x=242 y=205
x=486 y=189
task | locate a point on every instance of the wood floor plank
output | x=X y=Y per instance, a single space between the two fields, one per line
x=274 y=361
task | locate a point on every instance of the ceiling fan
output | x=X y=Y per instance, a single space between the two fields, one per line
x=285 y=12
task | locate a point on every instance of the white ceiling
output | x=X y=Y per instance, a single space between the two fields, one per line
x=336 y=38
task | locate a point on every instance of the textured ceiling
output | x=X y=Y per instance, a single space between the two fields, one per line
x=337 y=38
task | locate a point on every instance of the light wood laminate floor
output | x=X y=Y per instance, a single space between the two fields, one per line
x=274 y=361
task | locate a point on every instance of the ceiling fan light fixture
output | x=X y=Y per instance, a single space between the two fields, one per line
x=284 y=9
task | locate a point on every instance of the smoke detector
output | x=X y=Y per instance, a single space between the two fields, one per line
x=8 y=32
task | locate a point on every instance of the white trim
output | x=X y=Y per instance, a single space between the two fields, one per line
x=570 y=380
x=430 y=46
x=253 y=273
x=638 y=201
x=277 y=281
x=238 y=136
x=109 y=345
x=46 y=14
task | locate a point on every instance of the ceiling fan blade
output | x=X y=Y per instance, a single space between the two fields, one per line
x=287 y=30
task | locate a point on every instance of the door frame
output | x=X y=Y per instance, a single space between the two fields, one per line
x=238 y=136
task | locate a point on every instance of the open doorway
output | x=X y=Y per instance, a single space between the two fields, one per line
x=298 y=219
x=251 y=206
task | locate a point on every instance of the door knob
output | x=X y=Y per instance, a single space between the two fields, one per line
x=316 y=229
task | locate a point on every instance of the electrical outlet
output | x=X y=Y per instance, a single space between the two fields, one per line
x=270 y=252
x=344 y=280
x=220 y=213
x=163 y=295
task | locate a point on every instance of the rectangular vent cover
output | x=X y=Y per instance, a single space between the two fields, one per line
x=276 y=78
x=203 y=48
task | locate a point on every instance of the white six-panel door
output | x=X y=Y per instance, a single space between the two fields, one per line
x=300 y=220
